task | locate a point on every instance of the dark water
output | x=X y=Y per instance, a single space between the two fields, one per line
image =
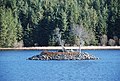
x=15 y=67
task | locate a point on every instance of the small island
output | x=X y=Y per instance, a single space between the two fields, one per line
x=63 y=55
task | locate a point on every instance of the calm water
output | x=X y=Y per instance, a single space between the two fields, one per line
x=15 y=67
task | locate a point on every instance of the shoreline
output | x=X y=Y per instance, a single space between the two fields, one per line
x=59 y=47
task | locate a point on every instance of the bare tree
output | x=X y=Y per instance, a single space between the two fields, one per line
x=116 y=40
x=18 y=44
x=58 y=38
x=111 y=42
x=104 y=40
x=81 y=34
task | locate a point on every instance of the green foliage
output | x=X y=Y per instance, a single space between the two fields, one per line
x=114 y=18
x=8 y=28
x=34 y=21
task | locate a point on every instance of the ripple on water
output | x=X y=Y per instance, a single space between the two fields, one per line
x=15 y=67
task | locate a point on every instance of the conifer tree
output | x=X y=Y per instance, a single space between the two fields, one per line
x=8 y=34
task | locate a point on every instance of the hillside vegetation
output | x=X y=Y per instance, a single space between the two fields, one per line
x=34 y=22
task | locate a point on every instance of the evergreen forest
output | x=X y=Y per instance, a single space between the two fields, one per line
x=29 y=23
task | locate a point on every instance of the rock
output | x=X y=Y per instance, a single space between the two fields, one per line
x=63 y=56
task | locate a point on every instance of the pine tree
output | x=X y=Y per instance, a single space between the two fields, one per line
x=8 y=34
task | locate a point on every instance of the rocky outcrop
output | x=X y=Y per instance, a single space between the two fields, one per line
x=63 y=56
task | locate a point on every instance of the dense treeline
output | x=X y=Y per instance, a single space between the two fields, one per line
x=33 y=22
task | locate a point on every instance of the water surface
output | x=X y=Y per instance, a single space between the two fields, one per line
x=15 y=67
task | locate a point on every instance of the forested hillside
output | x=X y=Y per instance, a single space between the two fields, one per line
x=34 y=22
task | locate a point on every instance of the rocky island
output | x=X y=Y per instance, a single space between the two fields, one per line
x=65 y=54
x=46 y=55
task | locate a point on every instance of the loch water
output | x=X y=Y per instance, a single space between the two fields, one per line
x=15 y=67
